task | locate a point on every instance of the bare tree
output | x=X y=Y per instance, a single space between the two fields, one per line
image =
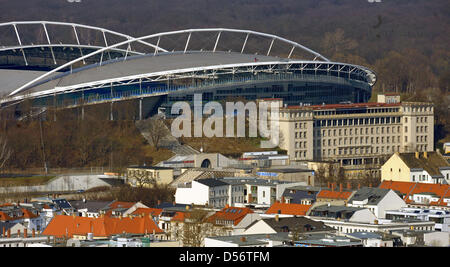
x=195 y=228
x=5 y=151
x=155 y=129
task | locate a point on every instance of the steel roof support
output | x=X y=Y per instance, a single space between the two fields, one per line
x=20 y=43
x=78 y=42
x=48 y=40
x=217 y=41
x=187 y=42
x=292 y=50
x=245 y=42
x=270 y=48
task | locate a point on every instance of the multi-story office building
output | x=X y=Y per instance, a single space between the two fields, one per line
x=355 y=134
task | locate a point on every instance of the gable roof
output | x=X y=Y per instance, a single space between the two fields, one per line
x=5 y=217
x=299 y=224
x=212 y=182
x=330 y=194
x=288 y=209
x=331 y=211
x=407 y=189
x=372 y=194
x=90 y=205
x=431 y=164
x=233 y=214
x=62 y=225
x=147 y=211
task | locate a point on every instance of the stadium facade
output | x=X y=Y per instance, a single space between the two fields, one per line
x=68 y=65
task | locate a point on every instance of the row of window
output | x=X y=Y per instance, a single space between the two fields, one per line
x=360 y=121
x=357 y=141
x=358 y=151
x=418 y=109
x=358 y=131
x=418 y=119
x=421 y=138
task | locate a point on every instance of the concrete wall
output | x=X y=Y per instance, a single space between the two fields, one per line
x=62 y=183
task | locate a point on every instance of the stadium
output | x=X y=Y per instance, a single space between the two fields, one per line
x=66 y=65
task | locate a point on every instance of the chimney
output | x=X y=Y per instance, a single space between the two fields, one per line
x=25 y=233
x=340 y=187
x=425 y=154
x=417 y=155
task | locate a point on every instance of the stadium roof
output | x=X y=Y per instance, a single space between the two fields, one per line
x=152 y=62
x=161 y=62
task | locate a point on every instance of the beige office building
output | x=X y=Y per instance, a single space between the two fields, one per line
x=355 y=134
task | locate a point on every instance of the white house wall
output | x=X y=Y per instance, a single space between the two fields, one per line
x=363 y=216
x=260 y=227
x=391 y=201
x=197 y=194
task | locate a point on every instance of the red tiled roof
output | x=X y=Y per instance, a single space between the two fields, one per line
x=62 y=225
x=28 y=214
x=344 y=195
x=147 y=211
x=233 y=214
x=179 y=216
x=5 y=217
x=410 y=188
x=288 y=209
x=120 y=204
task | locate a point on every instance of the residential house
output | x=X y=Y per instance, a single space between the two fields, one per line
x=377 y=200
x=104 y=227
x=300 y=194
x=233 y=220
x=426 y=167
x=148 y=176
x=421 y=195
x=293 y=225
x=210 y=192
x=353 y=219
x=334 y=196
x=440 y=217
x=120 y=208
x=376 y=239
x=258 y=240
x=288 y=209
x=89 y=208
x=326 y=240
x=29 y=217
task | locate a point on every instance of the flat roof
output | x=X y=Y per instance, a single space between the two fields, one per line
x=150 y=63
